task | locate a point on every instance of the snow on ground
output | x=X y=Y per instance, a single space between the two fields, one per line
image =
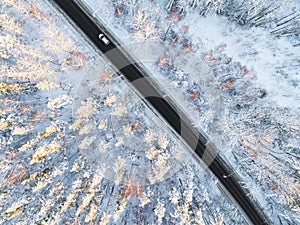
x=277 y=66
x=60 y=102
x=257 y=78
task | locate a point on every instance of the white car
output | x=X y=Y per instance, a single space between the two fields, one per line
x=104 y=39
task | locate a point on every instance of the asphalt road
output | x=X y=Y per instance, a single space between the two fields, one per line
x=164 y=106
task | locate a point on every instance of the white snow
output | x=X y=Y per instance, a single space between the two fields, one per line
x=270 y=80
x=130 y=164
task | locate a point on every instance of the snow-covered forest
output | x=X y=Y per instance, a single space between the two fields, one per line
x=252 y=50
x=79 y=146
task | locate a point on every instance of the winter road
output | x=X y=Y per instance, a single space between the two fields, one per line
x=163 y=105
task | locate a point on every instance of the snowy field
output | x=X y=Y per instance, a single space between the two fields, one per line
x=78 y=146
